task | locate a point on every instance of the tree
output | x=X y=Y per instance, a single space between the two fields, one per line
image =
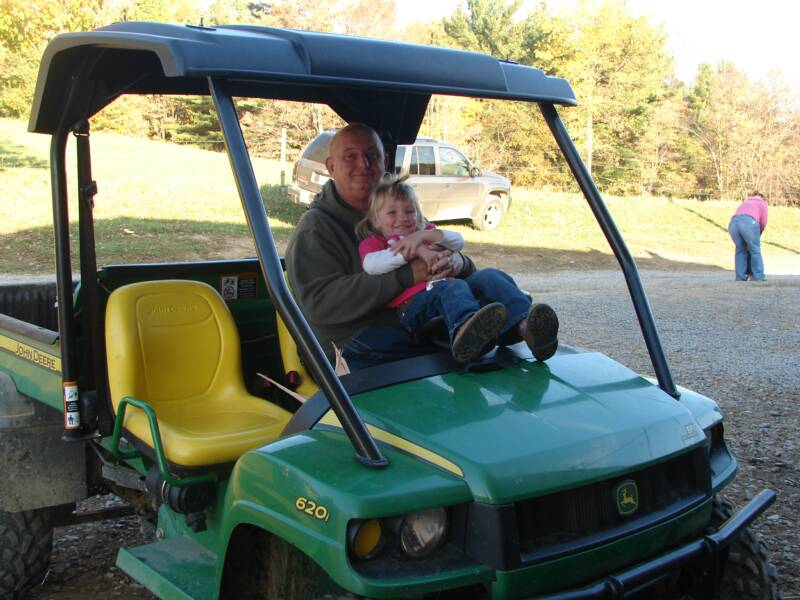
x=25 y=28
x=616 y=63
x=618 y=66
x=488 y=26
x=370 y=18
x=662 y=163
x=746 y=130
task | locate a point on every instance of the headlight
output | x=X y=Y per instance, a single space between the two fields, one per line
x=366 y=538
x=423 y=532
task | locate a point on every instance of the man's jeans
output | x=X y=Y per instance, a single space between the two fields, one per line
x=746 y=235
x=455 y=300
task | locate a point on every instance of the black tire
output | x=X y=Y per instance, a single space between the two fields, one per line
x=260 y=565
x=26 y=541
x=490 y=214
x=748 y=573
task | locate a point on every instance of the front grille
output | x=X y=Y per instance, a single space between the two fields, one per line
x=587 y=516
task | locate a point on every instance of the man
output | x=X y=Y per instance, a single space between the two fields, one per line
x=347 y=307
x=344 y=305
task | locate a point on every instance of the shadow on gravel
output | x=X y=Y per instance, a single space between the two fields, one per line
x=545 y=260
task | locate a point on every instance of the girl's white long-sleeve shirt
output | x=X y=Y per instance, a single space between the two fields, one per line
x=377 y=256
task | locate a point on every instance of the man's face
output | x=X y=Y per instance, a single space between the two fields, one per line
x=356 y=163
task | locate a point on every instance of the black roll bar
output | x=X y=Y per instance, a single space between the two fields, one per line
x=70 y=368
x=367 y=451
x=626 y=262
x=58 y=181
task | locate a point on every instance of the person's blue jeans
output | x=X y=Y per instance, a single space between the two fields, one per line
x=450 y=299
x=746 y=235
x=378 y=344
x=383 y=343
x=493 y=285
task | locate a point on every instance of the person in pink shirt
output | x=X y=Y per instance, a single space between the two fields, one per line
x=483 y=309
x=746 y=227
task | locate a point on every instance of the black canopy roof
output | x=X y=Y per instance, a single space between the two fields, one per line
x=383 y=83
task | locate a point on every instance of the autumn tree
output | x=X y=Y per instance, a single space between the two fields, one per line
x=488 y=26
x=746 y=131
x=25 y=28
x=618 y=67
x=504 y=136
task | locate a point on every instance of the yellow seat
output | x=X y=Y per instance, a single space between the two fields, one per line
x=291 y=358
x=174 y=345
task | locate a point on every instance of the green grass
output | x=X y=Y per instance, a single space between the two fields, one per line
x=164 y=202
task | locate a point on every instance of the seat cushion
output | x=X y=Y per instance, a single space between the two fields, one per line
x=174 y=345
x=210 y=433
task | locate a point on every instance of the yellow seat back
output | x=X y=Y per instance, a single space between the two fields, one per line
x=174 y=344
x=291 y=359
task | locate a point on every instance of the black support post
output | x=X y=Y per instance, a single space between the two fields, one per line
x=66 y=325
x=606 y=222
x=367 y=450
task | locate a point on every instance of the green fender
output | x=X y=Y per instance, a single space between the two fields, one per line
x=306 y=488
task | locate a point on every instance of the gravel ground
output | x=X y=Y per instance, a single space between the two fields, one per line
x=736 y=342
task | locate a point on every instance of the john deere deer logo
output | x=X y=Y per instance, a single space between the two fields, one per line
x=627 y=495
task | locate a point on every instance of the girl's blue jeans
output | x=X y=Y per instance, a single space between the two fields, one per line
x=455 y=300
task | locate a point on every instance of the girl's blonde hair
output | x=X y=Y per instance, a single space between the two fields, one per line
x=390 y=187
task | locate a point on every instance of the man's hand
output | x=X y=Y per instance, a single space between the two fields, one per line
x=420 y=269
x=430 y=255
x=448 y=265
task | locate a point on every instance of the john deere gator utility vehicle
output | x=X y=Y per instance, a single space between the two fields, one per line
x=504 y=478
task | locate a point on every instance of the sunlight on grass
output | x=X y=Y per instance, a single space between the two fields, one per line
x=160 y=201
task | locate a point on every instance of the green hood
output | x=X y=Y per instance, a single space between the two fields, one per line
x=536 y=428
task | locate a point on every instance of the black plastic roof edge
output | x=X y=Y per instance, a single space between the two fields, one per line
x=342 y=71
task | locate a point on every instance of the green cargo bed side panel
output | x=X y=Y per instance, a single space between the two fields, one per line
x=34 y=366
x=172 y=569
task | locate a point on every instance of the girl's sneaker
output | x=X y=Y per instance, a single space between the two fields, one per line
x=477 y=332
x=541 y=331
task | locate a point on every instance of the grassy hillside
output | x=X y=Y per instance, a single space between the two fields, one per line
x=164 y=202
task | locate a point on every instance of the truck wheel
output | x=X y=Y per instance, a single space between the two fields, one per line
x=748 y=572
x=259 y=565
x=490 y=214
x=26 y=540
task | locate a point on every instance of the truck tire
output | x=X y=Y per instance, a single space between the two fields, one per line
x=260 y=565
x=490 y=214
x=748 y=573
x=26 y=540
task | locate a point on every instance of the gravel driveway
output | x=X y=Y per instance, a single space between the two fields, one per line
x=736 y=342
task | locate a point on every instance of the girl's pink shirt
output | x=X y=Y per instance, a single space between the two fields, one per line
x=755 y=207
x=375 y=244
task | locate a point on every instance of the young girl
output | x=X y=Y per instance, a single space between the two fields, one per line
x=485 y=308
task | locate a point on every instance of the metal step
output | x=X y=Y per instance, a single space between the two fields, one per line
x=174 y=568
